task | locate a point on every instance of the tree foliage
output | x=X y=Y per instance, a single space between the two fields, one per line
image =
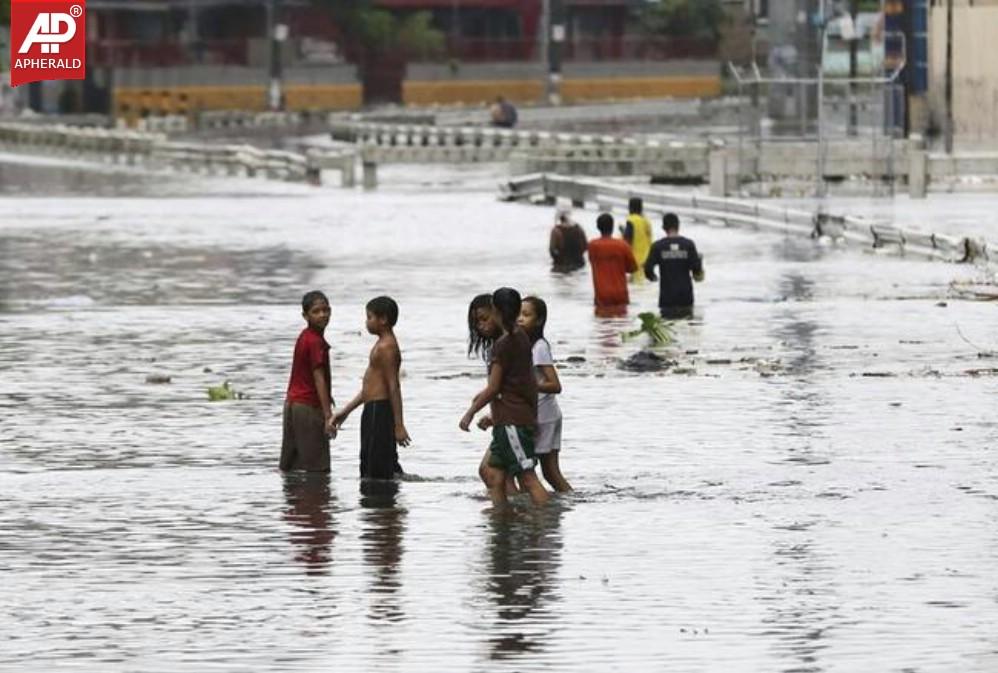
x=4 y=12
x=376 y=30
x=701 y=19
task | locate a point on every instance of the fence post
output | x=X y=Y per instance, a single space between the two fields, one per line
x=348 y=171
x=718 y=159
x=370 y=174
x=917 y=167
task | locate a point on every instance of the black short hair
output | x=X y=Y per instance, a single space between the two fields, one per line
x=478 y=344
x=670 y=222
x=384 y=307
x=636 y=205
x=605 y=224
x=507 y=301
x=541 y=311
x=310 y=298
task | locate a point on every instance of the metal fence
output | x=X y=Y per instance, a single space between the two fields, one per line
x=867 y=105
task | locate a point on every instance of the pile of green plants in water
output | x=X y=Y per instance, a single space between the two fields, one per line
x=224 y=392
x=655 y=327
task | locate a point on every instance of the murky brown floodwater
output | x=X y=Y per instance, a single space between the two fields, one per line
x=815 y=489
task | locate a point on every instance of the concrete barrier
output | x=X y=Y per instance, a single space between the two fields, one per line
x=94 y=144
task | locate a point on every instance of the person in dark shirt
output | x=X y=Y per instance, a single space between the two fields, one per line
x=511 y=393
x=568 y=243
x=677 y=260
x=503 y=113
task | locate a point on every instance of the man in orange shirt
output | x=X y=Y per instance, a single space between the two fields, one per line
x=611 y=260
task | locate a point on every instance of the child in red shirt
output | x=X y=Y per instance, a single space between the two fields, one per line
x=308 y=415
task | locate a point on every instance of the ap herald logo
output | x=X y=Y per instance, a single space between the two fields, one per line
x=48 y=40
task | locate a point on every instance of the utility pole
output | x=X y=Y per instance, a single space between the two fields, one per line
x=853 y=48
x=554 y=37
x=278 y=33
x=948 y=131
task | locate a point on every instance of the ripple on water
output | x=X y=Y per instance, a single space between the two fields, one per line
x=768 y=509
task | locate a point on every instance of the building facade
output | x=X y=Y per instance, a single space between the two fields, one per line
x=175 y=56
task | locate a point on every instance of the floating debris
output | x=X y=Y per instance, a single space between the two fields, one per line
x=224 y=392
x=654 y=326
x=158 y=378
x=646 y=361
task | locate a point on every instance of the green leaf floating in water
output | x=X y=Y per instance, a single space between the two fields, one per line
x=223 y=392
x=654 y=326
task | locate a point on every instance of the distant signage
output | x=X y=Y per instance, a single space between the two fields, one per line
x=47 y=40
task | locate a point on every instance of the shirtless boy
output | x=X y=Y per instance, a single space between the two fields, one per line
x=381 y=424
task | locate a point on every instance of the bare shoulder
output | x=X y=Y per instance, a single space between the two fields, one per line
x=386 y=351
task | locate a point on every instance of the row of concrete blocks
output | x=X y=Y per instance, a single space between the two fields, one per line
x=221 y=120
x=752 y=214
x=130 y=147
x=420 y=135
x=234 y=160
x=620 y=152
x=99 y=144
x=429 y=155
x=161 y=124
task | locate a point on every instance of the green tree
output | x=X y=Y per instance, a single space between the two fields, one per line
x=369 y=30
x=4 y=12
x=702 y=19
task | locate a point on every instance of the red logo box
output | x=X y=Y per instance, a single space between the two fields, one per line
x=48 y=40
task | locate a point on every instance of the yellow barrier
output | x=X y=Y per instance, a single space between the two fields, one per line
x=572 y=90
x=132 y=103
x=470 y=91
x=603 y=88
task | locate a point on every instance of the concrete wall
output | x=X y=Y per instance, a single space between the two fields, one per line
x=975 y=72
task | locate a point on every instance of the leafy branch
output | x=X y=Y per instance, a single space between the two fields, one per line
x=659 y=330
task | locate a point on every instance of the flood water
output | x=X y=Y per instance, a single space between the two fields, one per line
x=814 y=486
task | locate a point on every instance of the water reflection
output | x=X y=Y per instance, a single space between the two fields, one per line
x=803 y=410
x=309 y=512
x=383 y=521
x=524 y=552
x=806 y=605
x=95 y=270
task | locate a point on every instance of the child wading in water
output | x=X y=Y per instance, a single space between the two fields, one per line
x=308 y=416
x=512 y=394
x=547 y=445
x=381 y=425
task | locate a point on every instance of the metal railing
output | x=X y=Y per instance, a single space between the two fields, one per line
x=856 y=231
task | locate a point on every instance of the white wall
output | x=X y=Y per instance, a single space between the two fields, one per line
x=975 y=72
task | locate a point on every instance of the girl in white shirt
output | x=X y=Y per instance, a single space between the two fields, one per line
x=547 y=440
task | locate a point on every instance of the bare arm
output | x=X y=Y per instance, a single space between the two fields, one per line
x=390 y=360
x=341 y=414
x=319 y=378
x=551 y=383
x=486 y=395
